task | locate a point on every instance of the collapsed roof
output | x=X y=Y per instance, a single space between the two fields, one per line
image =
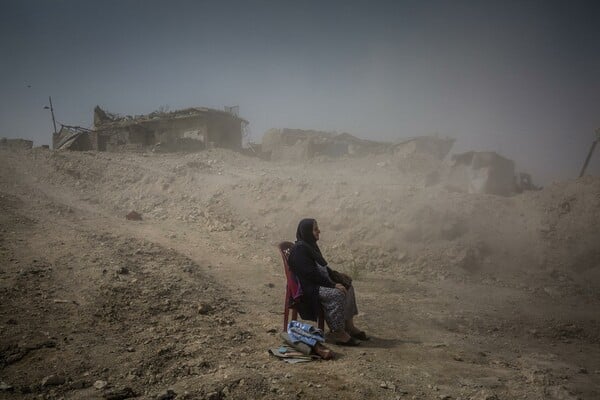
x=71 y=138
x=105 y=118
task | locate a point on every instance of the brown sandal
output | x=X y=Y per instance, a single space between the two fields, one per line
x=360 y=335
x=350 y=342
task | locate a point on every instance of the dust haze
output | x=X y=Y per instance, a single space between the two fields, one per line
x=517 y=79
x=438 y=145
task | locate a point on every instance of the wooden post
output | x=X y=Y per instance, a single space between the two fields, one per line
x=52 y=112
x=587 y=159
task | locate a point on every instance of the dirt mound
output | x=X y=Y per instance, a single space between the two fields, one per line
x=382 y=214
x=454 y=287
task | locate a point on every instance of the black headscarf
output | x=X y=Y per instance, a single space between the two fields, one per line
x=304 y=234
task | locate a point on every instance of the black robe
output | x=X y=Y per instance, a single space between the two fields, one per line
x=303 y=259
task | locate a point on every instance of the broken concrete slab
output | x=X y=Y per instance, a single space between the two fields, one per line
x=482 y=172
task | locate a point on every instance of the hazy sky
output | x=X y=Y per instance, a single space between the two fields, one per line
x=521 y=78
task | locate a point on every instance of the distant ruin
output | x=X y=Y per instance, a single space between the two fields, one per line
x=483 y=172
x=191 y=129
x=434 y=146
x=14 y=144
x=470 y=172
x=299 y=144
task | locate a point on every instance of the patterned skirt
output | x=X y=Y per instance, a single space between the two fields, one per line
x=337 y=306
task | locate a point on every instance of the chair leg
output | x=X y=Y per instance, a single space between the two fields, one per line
x=321 y=320
x=286 y=312
x=286 y=309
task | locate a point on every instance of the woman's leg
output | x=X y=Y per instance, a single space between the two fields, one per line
x=350 y=310
x=333 y=302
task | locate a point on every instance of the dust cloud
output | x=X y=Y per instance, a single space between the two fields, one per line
x=466 y=294
x=443 y=175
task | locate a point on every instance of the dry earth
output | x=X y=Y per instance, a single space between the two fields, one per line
x=465 y=296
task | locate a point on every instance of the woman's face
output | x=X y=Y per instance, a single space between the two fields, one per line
x=316 y=230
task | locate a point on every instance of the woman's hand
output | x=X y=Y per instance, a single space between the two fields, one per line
x=341 y=287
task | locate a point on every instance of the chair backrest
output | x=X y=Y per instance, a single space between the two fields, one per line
x=293 y=285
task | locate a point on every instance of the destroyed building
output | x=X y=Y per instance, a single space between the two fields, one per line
x=300 y=144
x=484 y=172
x=16 y=144
x=191 y=129
x=434 y=146
x=72 y=138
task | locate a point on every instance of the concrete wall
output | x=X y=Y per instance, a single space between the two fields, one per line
x=434 y=146
x=186 y=133
x=16 y=144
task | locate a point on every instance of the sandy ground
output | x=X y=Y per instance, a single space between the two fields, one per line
x=465 y=296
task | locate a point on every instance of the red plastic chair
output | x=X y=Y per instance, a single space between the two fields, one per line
x=284 y=249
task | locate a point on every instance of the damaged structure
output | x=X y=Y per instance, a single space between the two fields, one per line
x=72 y=138
x=16 y=144
x=434 y=146
x=300 y=144
x=482 y=172
x=191 y=129
x=470 y=172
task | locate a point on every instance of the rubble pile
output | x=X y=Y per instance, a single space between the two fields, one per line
x=366 y=203
x=184 y=302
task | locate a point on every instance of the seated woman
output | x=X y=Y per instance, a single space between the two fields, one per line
x=320 y=290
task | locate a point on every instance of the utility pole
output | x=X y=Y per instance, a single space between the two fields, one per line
x=587 y=160
x=51 y=112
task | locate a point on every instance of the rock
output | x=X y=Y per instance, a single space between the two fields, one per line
x=213 y=396
x=168 y=394
x=80 y=384
x=119 y=394
x=26 y=389
x=488 y=382
x=204 y=309
x=122 y=270
x=99 y=384
x=484 y=395
x=188 y=268
x=53 y=380
x=133 y=216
